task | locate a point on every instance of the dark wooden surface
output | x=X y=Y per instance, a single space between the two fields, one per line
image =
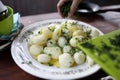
x=106 y=22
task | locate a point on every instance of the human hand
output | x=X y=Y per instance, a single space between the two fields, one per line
x=73 y=7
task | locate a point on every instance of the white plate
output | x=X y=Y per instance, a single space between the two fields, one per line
x=22 y=58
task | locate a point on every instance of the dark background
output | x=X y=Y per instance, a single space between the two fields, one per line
x=32 y=7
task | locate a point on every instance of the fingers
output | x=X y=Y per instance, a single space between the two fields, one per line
x=73 y=7
x=59 y=5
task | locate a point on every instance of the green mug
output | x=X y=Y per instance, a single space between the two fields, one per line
x=6 y=24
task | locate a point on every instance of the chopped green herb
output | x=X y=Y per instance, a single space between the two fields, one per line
x=50 y=64
x=39 y=32
x=72 y=51
x=52 y=30
x=87 y=34
x=70 y=62
x=77 y=50
x=51 y=42
x=65 y=25
x=49 y=54
x=62 y=31
x=76 y=39
x=73 y=23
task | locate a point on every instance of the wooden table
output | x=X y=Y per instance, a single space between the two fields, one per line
x=106 y=22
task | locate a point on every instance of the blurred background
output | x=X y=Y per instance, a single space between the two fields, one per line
x=32 y=7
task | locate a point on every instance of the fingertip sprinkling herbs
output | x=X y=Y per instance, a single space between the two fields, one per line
x=66 y=8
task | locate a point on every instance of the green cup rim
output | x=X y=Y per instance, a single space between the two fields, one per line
x=10 y=14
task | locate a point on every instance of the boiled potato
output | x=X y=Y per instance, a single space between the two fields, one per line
x=94 y=33
x=43 y=58
x=56 y=33
x=78 y=33
x=51 y=43
x=62 y=41
x=86 y=29
x=74 y=40
x=39 y=40
x=73 y=28
x=47 y=32
x=66 y=60
x=52 y=27
x=89 y=61
x=79 y=57
x=36 y=49
x=54 y=52
x=66 y=49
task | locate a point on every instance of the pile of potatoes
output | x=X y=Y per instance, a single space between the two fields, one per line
x=56 y=44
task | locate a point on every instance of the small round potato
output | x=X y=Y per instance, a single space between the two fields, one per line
x=66 y=33
x=52 y=27
x=89 y=61
x=36 y=49
x=54 y=52
x=39 y=40
x=66 y=60
x=73 y=27
x=62 y=41
x=78 y=33
x=43 y=58
x=94 y=33
x=74 y=40
x=79 y=57
x=47 y=33
x=56 y=33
